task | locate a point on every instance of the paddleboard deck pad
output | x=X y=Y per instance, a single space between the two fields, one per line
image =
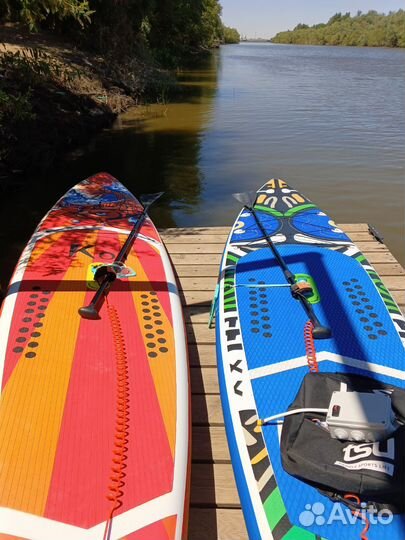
x=94 y=414
x=262 y=358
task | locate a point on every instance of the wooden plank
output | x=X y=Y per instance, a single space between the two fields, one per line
x=198 y=284
x=399 y=297
x=195 y=248
x=179 y=259
x=175 y=231
x=382 y=256
x=198 y=270
x=388 y=269
x=372 y=246
x=200 y=333
x=197 y=298
x=202 y=355
x=221 y=238
x=209 y=445
x=207 y=410
x=217 y=524
x=196 y=314
x=349 y=228
x=215 y=248
x=204 y=380
x=213 y=485
x=346 y=227
x=190 y=312
x=394 y=282
x=195 y=239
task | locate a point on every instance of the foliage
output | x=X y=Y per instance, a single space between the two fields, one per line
x=15 y=108
x=180 y=28
x=32 y=67
x=231 y=35
x=169 y=29
x=36 y=12
x=15 y=111
x=371 y=29
x=21 y=73
x=41 y=109
x=115 y=27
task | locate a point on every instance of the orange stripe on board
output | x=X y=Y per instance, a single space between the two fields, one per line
x=170 y=526
x=42 y=246
x=159 y=345
x=33 y=400
x=9 y=537
x=154 y=531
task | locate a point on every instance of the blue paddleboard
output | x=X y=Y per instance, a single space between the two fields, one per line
x=262 y=356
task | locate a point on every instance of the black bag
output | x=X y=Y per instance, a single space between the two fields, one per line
x=375 y=472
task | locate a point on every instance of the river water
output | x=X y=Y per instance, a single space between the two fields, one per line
x=328 y=120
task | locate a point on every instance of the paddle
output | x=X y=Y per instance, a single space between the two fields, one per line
x=319 y=331
x=105 y=275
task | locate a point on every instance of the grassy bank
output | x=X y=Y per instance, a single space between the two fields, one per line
x=54 y=97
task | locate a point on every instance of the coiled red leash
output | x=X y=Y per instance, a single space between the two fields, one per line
x=310 y=347
x=117 y=478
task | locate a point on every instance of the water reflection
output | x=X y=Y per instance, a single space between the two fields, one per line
x=157 y=148
x=150 y=149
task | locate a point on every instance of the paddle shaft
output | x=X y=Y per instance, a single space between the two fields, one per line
x=91 y=311
x=286 y=271
x=319 y=331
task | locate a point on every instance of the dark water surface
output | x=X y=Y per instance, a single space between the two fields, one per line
x=329 y=120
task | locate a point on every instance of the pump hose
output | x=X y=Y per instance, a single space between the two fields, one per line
x=314 y=368
x=359 y=514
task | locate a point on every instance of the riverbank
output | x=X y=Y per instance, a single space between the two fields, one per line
x=55 y=97
x=370 y=29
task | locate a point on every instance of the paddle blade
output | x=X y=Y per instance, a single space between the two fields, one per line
x=89 y=312
x=148 y=199
x=247 y=198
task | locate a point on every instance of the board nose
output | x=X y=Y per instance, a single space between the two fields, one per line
x=279 y=199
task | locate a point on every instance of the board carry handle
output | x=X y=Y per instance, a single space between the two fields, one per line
x=106 y=275
x=298 y=292
x=213 y=306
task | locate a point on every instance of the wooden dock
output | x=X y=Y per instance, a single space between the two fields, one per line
x=215 y=512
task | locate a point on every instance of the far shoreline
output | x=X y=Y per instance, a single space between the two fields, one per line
x=269 y=42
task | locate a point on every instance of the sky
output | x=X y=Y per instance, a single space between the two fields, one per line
x=264 y=18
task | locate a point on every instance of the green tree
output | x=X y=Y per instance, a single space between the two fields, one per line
x=36 y=12
x=170 y=29
x=301 y=26
x=231 y=35
x=182 y=27
x=369 y=29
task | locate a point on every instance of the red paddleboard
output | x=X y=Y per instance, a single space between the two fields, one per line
x=94 y=414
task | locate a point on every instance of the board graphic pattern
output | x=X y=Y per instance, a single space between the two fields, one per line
x=261 y=349
x=58 y=404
